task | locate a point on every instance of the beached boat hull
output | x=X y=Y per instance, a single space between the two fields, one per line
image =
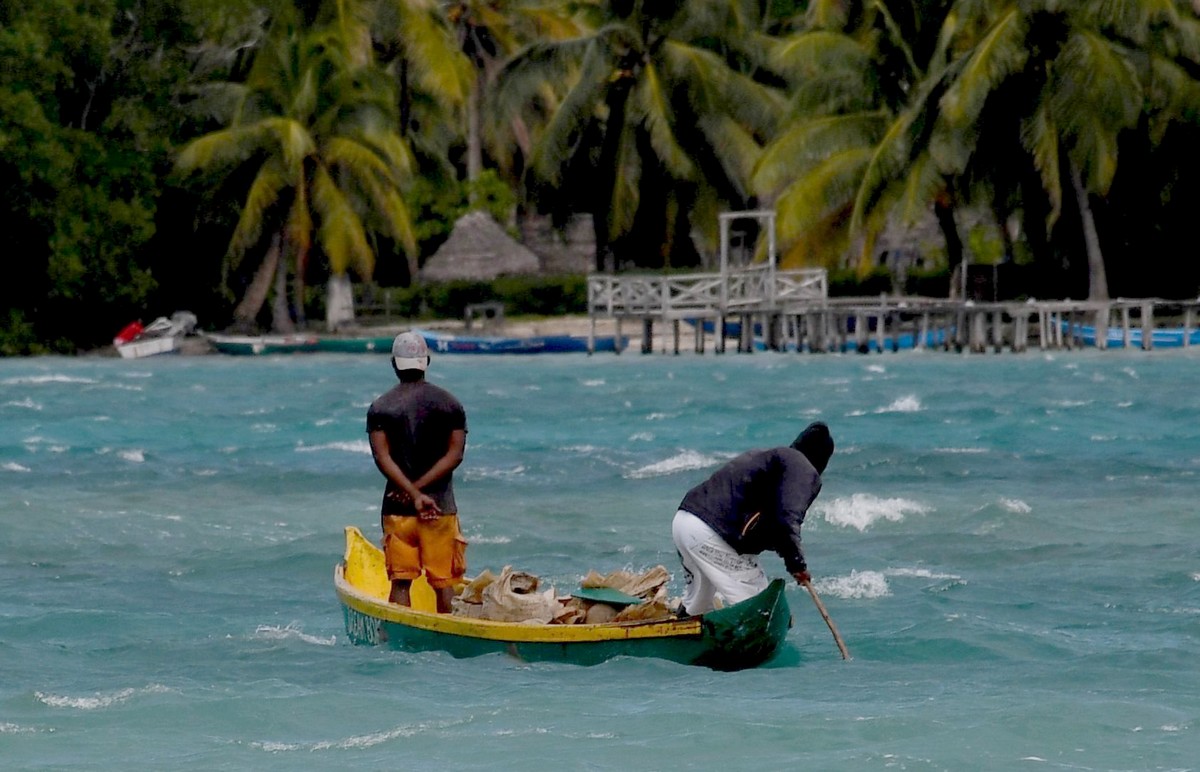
x=148 y=347
x=741 y=636
x=445 y=343
x=262 y=345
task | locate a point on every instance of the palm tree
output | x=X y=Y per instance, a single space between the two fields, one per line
x=853 y=153
x=317 y=123
x=644 y=102
x=1076 y=77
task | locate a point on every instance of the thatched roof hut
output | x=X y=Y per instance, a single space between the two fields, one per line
x=478 y=248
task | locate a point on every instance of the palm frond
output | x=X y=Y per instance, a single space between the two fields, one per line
x=820 y=198
x=626 y=193
x=437 y=62
x=577 y=108
x=341 y=233
x=264 y=192
x=652 y=106
x=817 y=53
x=734 y=148
x=807 y=144
x=998 y=55
x=1039 y=135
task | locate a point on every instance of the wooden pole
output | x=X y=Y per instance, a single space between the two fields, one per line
x=829 y=622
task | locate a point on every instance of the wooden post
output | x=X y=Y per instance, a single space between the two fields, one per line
x=1147 y=326
x=1101 y=327
x=978 y=340
x=1127 y=330
x=880 y=329
x=746 y=336
x=922 y=333
x=592 y=336
x=1020 y=332
x=998 y=330
x=1189 y=319
x=720 y=332
x=699 y=335
x=647 y=335
x=675 y=334
x=862 y=324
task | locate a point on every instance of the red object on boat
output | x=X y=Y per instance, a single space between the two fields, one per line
x=131 y=331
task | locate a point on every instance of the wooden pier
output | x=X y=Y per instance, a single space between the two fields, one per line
x=761 y=308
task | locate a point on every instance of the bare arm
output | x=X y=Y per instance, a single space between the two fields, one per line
x=448 y=462
x=381 y=451
x=426 y=507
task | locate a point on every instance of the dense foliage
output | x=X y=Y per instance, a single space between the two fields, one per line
x=228 y=157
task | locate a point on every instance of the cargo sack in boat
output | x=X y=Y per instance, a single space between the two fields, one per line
x=514 y=597
x=650 y=585
x=469 y=601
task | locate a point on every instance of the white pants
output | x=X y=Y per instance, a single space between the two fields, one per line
x=711 y=567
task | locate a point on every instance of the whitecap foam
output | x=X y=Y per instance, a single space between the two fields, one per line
x=356 y=741
x=686 y=461
x=353 y=446
x=1016 y=505
x=40 y=379
x=489 y=539
x=13 y=466
x=906 y=404
x=859 y=584
x=641 y=437
x=27 y=403
x=98 y=700
x=7 y=728
x=134 y=455
x=921 y=573
x=862 y=510
x=493 y=473
x=593 y=382
x=291 y=632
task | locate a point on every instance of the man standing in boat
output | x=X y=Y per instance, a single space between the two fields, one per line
x=418 y=434
x=754 y=503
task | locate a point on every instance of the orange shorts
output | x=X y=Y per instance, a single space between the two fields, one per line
x=411 y=544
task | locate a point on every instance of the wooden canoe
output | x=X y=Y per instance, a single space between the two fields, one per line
x=740 y=636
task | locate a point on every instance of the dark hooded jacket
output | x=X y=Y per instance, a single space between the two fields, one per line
x=757 y=502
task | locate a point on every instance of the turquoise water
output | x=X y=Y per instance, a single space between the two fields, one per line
x=1009 y=545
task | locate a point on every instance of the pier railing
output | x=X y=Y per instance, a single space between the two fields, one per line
x=789 y=321
x=674 y=296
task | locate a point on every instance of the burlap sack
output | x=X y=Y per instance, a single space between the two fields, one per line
x=513 y=597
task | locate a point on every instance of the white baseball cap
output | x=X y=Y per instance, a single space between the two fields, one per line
x=409 y=351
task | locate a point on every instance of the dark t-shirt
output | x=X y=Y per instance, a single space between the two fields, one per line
x=778 y=485
x=418 y=419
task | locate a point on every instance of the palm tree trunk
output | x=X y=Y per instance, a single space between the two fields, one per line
x=475 y=133
x=943 y=209
x=246 y=312
x=1097 y=276
x=281 y=320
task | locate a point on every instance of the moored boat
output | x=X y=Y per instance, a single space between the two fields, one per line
x=740 y=636
x=446 y=343
x=252 y=345
x=161 y=336
x=355 y=345
x=1160 y=337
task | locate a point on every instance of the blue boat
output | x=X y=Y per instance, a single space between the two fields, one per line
x=1160 y=337
x=446 y=343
